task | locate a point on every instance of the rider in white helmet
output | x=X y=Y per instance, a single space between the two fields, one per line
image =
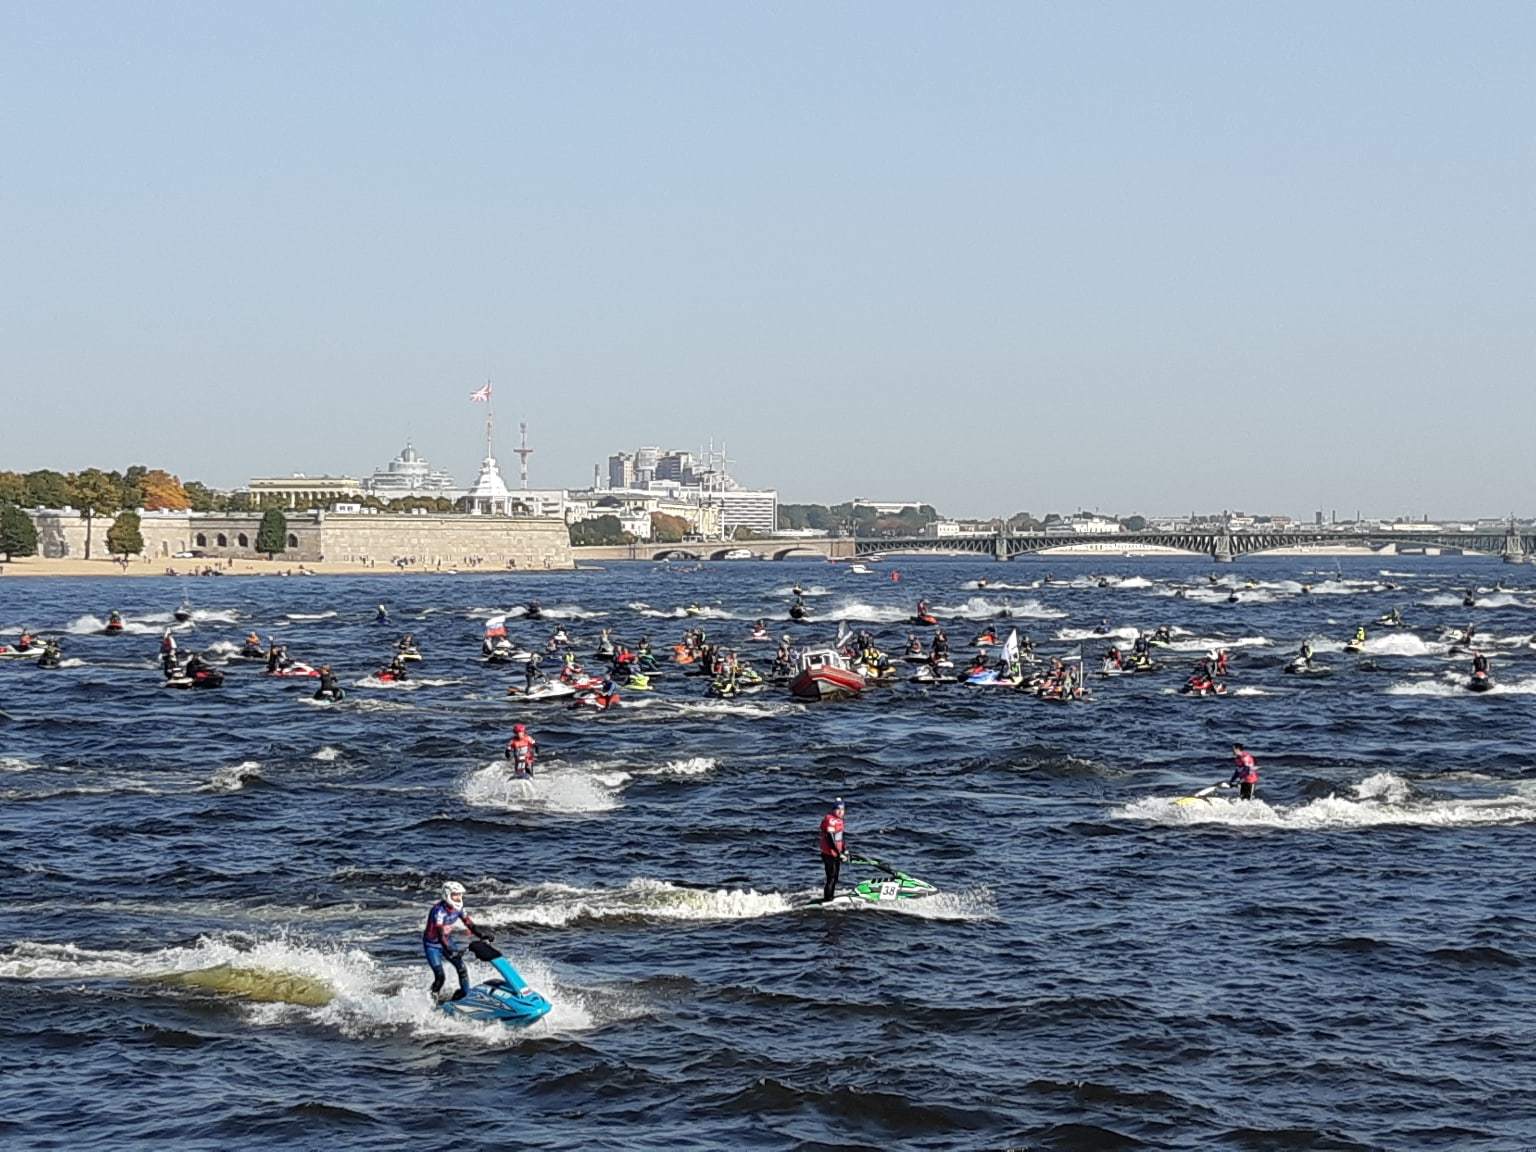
x=447 y=918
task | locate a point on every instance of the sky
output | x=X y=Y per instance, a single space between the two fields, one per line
x=998 y=257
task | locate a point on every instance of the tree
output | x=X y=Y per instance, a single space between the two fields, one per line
x=18 y=535
x=47 y=489
x=200 y=497
x=13 y=488
x=272 y=536
x=1134 y=523
x=599 y=530
x=667 y=529
x=744 y=533
x=161 y=490
x=95 y=494
x=124 y=537
x=131 y=484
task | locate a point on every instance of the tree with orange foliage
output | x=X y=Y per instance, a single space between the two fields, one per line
x=162 y=490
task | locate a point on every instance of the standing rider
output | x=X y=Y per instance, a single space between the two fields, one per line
x=1246 y=773
x=833 y=850
x=446 y=918
x=521 y=750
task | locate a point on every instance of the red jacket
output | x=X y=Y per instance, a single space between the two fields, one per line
x=1246 y=772
x=521 y=751
x=831 y=834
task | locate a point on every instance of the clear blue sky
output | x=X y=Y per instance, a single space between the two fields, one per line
x=1149 y=257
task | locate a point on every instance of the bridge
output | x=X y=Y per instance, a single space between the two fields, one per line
x=777 y=548
x=1221 y=545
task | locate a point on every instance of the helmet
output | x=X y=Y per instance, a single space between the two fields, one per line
x=453 y=893
x=838 y=803
x=519 y=729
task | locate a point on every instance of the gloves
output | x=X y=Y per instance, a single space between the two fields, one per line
x=485 y=934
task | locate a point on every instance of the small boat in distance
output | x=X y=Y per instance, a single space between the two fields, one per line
x=740 y=554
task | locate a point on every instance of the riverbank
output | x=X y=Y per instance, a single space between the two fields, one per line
x=37 y=566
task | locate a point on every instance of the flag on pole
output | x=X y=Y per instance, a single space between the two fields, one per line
x=482 y=394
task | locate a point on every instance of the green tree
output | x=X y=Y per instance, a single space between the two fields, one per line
x=272 y=536
x=1134 y=523
x=47 y=489
x=131 y=485
x=744 y=533
x=13 y=488
x=124 y=537
x=200 y=497
x=18 y=535
x=599 y=530
x=95 y=494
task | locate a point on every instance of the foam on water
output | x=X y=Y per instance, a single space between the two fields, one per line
x=1208 y=643
x=232 y=777
x=570 y=612
x=754 y=711
x=1451 y=684
x=563 y=789
x=693 y=766
x=1378 y=800
x=640 y=898
x=89 y=625
x=306 y=617
x=326 y=754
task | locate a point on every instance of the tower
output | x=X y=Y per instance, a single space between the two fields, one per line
x=523 y=452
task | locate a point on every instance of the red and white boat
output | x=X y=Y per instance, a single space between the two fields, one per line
x=824 y=675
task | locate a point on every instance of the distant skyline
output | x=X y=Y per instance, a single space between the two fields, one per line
x=1001 y=257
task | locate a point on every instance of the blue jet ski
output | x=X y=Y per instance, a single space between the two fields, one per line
x=506 y=999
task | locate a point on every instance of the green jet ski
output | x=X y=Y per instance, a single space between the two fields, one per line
x=891 y=885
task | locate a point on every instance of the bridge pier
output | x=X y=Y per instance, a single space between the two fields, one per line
x=1000 y=546
x=1514 y=548
x=1221 y=547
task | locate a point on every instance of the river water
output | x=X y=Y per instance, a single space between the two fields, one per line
x=211 y=902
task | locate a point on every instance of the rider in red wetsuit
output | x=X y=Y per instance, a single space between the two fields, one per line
x=1246 y=774
x=521 y=750
x=833 y=850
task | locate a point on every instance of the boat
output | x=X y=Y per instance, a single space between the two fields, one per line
x=740 y=554
x=823 y=674
x=547 y=690
x=296 y=671
x=859 y=570
x=1480 y=682
x=183 y=613
x=506 y=998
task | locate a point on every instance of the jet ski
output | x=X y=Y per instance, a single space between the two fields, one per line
x=183 y=613
x=797 y=612
x=895 y=885
x=548 y=690
x=113 y=628
x=1353 y=648
x=333 y=695
x=929 y=674
x=389 y=676
x=926 y=619
x=533 y=612
x=204 y=677
x=296 y=671
x=250 y=652
x=1195 y=687
x=506 y=998
x=1469 y=601
x=1480 y=682
x=1300 y=667
x=502 y=654
x=408 y=653
x=638 y=682
x=1389 y=621
x=760 y=634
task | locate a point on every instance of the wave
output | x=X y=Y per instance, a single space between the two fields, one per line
x=345 y=988
x=233 y=777
x=640 y=899
x=89 y=625
x=1392 y=644
x=565 y=789
x=326 y=754
x=307 y=617
x=1379 y=800
x=404 y=685
x=570 y=612
x=1451 y=684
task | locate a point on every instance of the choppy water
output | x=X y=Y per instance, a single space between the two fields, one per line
x=210 y=903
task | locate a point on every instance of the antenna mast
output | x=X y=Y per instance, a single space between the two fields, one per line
x=523 y=452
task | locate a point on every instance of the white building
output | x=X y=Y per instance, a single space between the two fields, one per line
x=409 y=474
x=1082 y=524
x=754 y=508
x=953 y=529
x=889 y=507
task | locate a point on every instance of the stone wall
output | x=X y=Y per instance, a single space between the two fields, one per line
x=448 y=541
x=499 y=542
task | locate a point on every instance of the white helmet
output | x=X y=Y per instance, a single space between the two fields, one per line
x=453 y=893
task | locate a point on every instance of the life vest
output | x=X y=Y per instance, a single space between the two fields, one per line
x=522 y=749
x=831 y=834
x=1247 y=770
